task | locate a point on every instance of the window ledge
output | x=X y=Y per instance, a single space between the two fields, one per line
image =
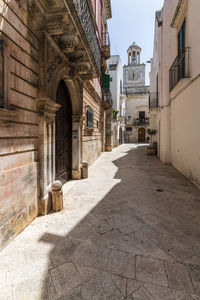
x=7 y=115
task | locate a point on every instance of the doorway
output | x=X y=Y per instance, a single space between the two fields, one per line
x=141 y=135
x=63 y=131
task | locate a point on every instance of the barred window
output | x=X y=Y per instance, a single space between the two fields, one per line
x=90 y=117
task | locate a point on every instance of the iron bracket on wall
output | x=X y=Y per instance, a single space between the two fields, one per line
x=3 y=73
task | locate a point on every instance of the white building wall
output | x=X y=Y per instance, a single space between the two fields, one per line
x=179 y=117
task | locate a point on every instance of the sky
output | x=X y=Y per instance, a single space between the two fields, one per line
x=133 y=21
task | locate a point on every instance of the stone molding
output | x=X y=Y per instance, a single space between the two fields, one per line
x=7 y=115
x=179 y=13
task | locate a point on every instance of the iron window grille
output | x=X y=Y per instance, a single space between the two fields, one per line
x=90 y=118
x=2 y=73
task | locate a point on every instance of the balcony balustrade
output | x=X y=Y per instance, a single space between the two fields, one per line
x=179 y=68
x=107 y=98
x=105 y=45
x=141 y=121
x=85 y=16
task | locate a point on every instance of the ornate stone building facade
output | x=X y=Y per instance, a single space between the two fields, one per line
x=52 y=114
x=137 y=102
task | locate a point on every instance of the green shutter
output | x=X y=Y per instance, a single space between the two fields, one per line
x=106 y=81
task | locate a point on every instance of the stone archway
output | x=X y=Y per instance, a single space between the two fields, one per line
x=141 y=135
x=47 y=108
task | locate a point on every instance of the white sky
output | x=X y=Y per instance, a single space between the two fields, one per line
x=133 y=21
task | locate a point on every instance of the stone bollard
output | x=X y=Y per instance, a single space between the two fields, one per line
x=57 y=195
x=84 y=169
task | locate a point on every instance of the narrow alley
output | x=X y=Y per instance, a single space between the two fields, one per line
x=134 y=235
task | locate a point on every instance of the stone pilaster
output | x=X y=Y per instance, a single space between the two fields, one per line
x=76 y=146
x=47 y=112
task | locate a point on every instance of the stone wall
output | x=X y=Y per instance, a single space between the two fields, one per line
x=92 y=138
x=19 y=132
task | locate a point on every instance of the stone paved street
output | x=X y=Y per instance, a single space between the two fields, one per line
x=130 y=231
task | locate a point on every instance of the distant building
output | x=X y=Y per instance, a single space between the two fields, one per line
x=137 y=103
x=115 y=72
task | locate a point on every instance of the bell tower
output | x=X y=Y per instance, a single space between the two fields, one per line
x=134 y=72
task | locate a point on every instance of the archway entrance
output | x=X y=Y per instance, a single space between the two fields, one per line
x=141 y=135
x=63 y=133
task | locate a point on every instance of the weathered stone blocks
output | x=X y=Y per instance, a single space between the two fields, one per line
x=57 y=196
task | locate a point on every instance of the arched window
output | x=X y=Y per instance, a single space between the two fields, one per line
x=90 y=118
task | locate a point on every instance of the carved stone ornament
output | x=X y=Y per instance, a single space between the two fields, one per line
x=73 y=71
x=22 y=4
x=47 y=105
x=68 y=42
x=52 y=3
x=53 y=60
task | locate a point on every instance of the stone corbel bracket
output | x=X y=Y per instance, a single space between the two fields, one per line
x=46 y=105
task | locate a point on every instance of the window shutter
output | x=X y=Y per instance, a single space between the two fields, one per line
x=106 y=81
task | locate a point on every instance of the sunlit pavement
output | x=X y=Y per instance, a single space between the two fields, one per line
x=129 y=231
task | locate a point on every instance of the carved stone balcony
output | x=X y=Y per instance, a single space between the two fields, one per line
x=71 y=26
x=105 y=50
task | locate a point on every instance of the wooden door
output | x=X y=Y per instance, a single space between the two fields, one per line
x=63 y=133
x=141 y=135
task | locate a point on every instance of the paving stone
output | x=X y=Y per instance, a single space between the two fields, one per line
x=133 y=285
x=82 y=232
x=194 y=271
x=66 y=277
x=89 y=255
x=150 y=270
x=164 y=293
x=146 y=245
x=36 y=288
x=6 y=293
x=74 y=294
x=101 y=287
x=121 y=263
x=63 y=250
x=27 y=271
x=109 y=218
x=141 y=294
x=178 y=251
x=121 y=283
x=178 y=277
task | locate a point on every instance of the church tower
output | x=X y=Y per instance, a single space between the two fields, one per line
x=134 y=72
x=137 y=97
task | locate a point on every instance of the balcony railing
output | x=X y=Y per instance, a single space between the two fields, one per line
x=153 y=100
x=105 y=39
x=85 y=17
x=107 y=97
x=179 y=68
x=141 y=121
x=105 y=45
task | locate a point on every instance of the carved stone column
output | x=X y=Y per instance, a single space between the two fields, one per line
x=47 y=112
x=76 y=146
